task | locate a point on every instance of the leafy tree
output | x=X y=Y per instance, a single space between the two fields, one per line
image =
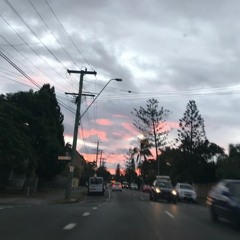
x=196 y=150
x=16 y=149
x=141 y=153
x=130 y=169
x=151 y=122
x=229 y=166
x=34 y=136
x=192 y=131
x=89 y=170
x=148 y=169
x=103 y=172
x=47 y=130
x=118 y=173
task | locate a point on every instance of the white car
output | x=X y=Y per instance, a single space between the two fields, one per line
x=186 y=192
x=117 y=186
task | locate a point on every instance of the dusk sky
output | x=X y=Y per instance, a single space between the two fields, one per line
x=170 y=50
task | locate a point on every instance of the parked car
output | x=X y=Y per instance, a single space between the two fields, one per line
x=133 y=186
x=146 y=188
x=224 y=201
x=116 y=186
x=163 y=190
x=186 y=192
x=125 y=185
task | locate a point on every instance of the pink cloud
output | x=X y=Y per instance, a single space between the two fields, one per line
x=101 y=134
x=130 y=128
x=104 y=122
x=170 y=125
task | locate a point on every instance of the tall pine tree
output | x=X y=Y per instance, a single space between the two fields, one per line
x=151 y=122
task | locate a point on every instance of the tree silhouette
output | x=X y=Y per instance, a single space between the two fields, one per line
x=196 y=150
x=151 y=122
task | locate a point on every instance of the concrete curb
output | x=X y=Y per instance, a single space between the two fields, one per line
x=53 y=196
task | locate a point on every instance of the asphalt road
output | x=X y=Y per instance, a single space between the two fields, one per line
x=115 y=216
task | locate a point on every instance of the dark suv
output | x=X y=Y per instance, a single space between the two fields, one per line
x=163 y=190
x=224 y=201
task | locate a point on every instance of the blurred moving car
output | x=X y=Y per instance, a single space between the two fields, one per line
x=133 y=186
x=125 y=185
x=146 y=188
x=186 y=192
x=163 y=190
x=224 y=201
x=116 y=186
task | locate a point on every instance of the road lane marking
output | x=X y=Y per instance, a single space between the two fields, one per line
x=5 y=207
x=86 y=214
x=70 y=226
x=94 y=208
x=169 y=214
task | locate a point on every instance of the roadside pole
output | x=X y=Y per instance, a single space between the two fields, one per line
x=68 y=191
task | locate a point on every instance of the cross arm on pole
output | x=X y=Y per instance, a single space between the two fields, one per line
x=82 y=71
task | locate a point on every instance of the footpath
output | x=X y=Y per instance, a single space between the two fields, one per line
x=48 y=196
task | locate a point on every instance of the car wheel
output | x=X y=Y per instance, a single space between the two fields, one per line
x=214 y=215
x=150 y=197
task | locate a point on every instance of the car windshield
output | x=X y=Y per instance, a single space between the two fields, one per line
x=235 y=189
x=185 y=186
x=96 y=181
x=164 y=184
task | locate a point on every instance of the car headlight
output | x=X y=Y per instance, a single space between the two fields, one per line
x=174 y=192
x=158 y=190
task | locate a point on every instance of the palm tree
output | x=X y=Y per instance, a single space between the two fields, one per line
x=142 y=152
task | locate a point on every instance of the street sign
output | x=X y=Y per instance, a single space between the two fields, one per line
x=68 y=158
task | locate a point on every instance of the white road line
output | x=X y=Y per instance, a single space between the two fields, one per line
x=94 y=208
x=70 y=226
x=5 y=207
x=86 y=214
x=169 y=214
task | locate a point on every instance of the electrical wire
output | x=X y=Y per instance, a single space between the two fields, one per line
x=69 y=36
x=29 y=78
x=51 y=32
x=33 y=50
x=35 y=35
x=18 y=69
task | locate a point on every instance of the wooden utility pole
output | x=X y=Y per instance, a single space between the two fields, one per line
x=97 y=152
x=77 y=118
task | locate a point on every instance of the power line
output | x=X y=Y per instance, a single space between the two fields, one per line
x=32 y=50
x=30 y=29
x=25 y=57
x=52 y=32
x=68 y=35
x=18 y=69
x=29 y=78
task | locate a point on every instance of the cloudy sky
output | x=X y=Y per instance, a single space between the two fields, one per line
x=171 y=50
